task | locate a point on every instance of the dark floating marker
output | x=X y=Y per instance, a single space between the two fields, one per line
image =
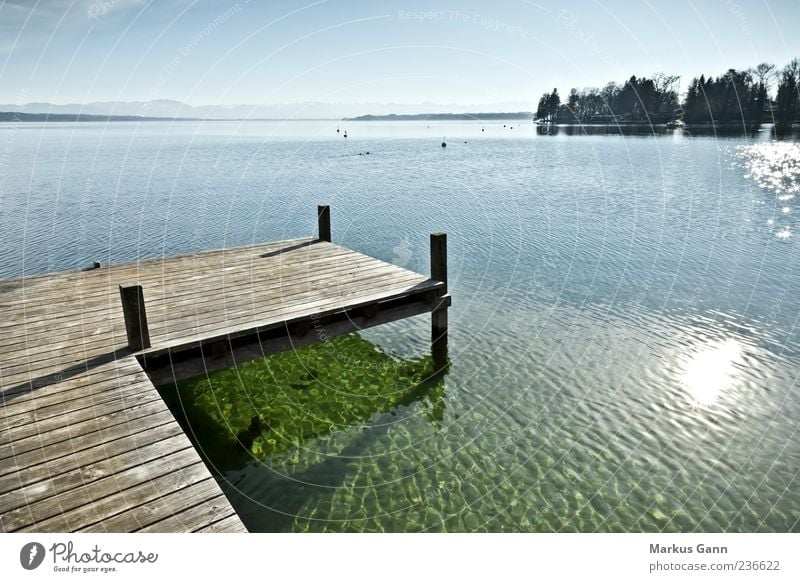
x=337 y=130
x=444 y=143
x=483 y=129
x=96 y=265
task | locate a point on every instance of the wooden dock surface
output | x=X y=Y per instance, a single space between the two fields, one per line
x=87 y=443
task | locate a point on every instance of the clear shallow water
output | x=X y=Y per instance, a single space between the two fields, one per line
x=623 y=332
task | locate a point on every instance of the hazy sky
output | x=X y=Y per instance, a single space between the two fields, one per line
x=461 y=52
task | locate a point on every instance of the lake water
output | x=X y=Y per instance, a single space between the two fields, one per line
x=624 y=341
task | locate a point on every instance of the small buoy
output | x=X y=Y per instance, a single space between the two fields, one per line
x=465 y=142
x=367 y=153
x=504 y=125
x=345 y=134
x=337 y=130
x=483 y=129
x=96 y=265
x=512 y=127
x=444 y=142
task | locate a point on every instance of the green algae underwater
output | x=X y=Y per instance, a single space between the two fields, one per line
x=278 y=404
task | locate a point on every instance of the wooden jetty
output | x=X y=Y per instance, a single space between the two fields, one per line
x=86 y=441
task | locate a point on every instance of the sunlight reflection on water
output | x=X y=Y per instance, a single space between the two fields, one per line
x=712 y=370
x=775 y=167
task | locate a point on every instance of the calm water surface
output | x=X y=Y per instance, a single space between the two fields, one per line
x=623 y=332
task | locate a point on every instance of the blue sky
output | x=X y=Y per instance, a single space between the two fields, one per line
x=460 y=52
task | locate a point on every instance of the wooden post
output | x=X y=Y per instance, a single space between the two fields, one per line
x=439 y=313
x=135 y=316
x=324 y=221
x=439 y=258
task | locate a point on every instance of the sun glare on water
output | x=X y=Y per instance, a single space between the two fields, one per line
x=775 y=167
x=711 y=371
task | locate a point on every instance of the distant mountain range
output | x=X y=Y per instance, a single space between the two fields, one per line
x=42 y=117
x=169 y=109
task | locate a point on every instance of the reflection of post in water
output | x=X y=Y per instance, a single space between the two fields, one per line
x=785 y=130
x=291 y=496
x=269 y=406
x=430 y=393
x=546 y=129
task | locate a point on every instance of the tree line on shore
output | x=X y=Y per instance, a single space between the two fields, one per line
x=733 y=97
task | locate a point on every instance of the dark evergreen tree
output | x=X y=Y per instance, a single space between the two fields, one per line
x=734 y=97
x=789 y=93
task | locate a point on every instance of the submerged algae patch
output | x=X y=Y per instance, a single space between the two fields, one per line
x=270 y=405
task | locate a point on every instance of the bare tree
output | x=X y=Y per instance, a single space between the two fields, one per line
x=665 y=83
x=794 y=67
x=665 y=88
x=765 y=74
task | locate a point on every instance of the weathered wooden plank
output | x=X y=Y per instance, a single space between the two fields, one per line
x=118 y=416
x=43 y=392
x=15 y=379
x=177 y=262
x=51 y=451
x=22 y=429
x=21 y=488
x=177 y=275
x=67 y=303
x=249 y=311
x=123 y=396
x=158 y=508
x=90 y=395
x=120 y=503
x=127 y=442
x=27 y=517
x=230 y=524
x=194 y=518
x=86 y=320
x=200 y=300
x=56 y=309
x=311 y=304
x=262 y=344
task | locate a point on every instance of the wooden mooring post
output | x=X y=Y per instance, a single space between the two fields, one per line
x=135 y=316
x=439 y=312
x=324 y=222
